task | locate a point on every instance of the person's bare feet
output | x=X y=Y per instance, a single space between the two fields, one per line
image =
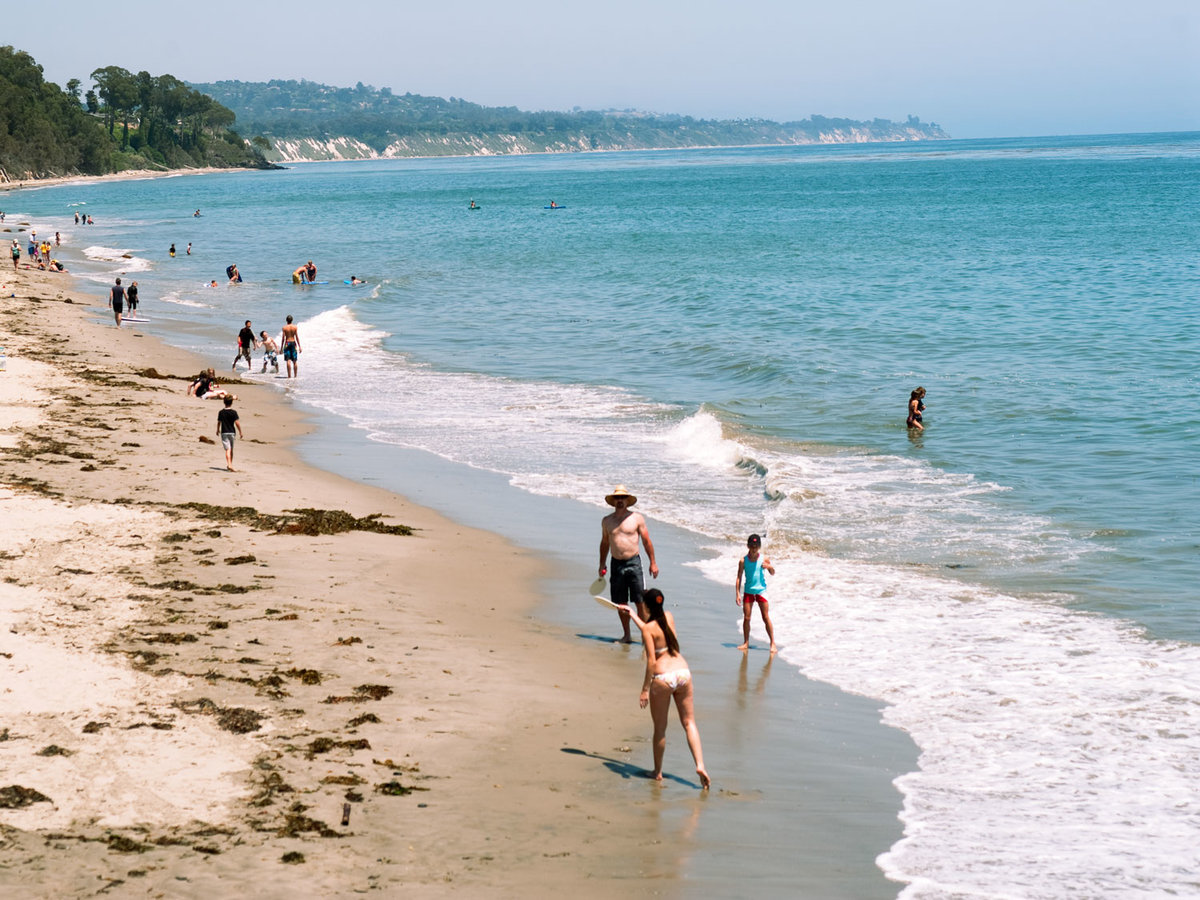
x=705 y=781
x=774 y=649
x=745 y=646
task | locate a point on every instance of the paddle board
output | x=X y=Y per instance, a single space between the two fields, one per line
x=310 y=282
x=130 y=319
x=553 y=207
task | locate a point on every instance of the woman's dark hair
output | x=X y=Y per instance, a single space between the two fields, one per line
x=653 y=598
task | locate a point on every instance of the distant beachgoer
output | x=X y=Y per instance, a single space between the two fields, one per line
x=16 y=253
x=270 y=351
x=76 y=217
x=196 y=214
x=916 y=406
x=311 y=271
x=300 y=276
x=233 y=274
x=753 y=566
x=172 y=251
x=228 y=427
x=291 y=348
x=553 y=205
x=246 y=343
x=131 y=299
x=91 y=221
x=116 y=299
x=620 y=531
x=667 y=677
x=354 y=279
x=213 y=283
x=189 y=250
x=472 y=206
x=56 y=266
x=57 y=239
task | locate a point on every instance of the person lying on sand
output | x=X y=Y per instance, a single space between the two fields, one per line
x=205 y=387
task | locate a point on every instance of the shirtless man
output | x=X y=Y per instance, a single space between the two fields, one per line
x=620 y=531
x=291 y=348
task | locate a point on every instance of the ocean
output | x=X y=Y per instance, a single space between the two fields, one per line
x=733 y=334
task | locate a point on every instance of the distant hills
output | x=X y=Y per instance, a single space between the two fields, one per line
x=304 y=120
x=137 y=120
x=127 y=121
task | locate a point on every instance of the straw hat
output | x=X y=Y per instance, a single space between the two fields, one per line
x=619 y=492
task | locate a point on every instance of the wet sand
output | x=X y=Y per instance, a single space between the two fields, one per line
x=193 y=695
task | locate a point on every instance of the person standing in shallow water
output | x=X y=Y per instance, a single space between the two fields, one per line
x=290 y=337
x=916 y=406
x=620 y=532
x=753 y=567
x=116 y=299
x=667 y=678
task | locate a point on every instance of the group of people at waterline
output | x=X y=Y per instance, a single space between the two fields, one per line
x=623 y=533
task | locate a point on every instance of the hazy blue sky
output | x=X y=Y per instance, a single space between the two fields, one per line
x=979 y=69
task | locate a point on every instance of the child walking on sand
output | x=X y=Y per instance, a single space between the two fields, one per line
x=752 y=566
x=227 y=423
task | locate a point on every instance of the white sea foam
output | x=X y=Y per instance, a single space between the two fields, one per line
x=124 y=260
x=174 y=297
x=1039 y=727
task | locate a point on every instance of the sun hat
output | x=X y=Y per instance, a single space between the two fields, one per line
x=619 y=493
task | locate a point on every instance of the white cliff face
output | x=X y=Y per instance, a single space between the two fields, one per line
x=312 y=149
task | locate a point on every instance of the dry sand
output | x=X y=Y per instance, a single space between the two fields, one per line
x=191 y=698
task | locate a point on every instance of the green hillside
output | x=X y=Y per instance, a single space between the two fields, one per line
x=130 y=121
x=304 y=119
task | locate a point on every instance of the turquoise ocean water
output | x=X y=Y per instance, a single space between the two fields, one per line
x=734 y=334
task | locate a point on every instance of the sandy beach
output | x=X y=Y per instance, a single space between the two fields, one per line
x=198 y=694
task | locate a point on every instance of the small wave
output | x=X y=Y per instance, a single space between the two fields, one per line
x=123 y=259
x=173 y=297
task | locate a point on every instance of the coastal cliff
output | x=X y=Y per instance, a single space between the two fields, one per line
x=312 y=149
x=301 y=121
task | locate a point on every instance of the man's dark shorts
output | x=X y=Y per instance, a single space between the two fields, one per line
x=625 y=580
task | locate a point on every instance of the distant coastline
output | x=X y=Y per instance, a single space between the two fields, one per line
x=298 y=121
x=345 y=149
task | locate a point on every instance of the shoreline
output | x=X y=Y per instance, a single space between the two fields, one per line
x=128 y=175
x=210 y=693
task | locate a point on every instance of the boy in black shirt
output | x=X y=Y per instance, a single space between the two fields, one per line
x=227 y=424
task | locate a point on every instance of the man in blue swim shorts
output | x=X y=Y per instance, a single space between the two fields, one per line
x=620 y=532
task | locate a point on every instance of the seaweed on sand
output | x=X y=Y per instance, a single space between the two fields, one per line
x=16 y=797
x=236 y=719
x=297 y=521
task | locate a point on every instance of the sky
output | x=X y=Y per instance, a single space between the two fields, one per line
x=979 y=69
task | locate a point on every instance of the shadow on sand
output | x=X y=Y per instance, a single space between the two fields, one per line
x=627 y=770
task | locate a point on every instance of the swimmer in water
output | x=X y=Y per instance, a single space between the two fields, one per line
x=916 y=406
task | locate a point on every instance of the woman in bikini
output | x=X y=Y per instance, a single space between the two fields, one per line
x=916 y=406
x=667 y=676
